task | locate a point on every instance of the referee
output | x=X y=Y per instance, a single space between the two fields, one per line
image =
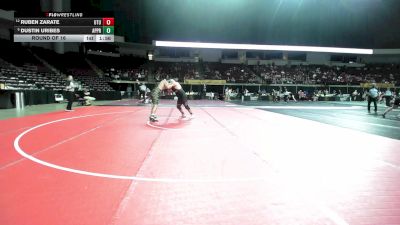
x=372 y=97
x=70 y=89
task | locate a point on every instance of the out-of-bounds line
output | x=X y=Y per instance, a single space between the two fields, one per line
x=57 y=144
x=332 y=215
x=301 y=118
x=390 y=165
x=350 y=120
x=310 y=107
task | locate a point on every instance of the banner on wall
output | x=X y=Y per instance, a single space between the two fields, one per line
x=379 y=85
x=207 y=82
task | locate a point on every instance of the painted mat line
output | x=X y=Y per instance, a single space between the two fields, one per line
x=114 y=176
x=310 y=107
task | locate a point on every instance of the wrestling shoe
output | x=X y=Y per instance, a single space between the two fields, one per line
x=153 y=118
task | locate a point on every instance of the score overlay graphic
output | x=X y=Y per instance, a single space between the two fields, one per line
x=64 y=27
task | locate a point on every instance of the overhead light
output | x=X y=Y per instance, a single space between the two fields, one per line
x=177 y=44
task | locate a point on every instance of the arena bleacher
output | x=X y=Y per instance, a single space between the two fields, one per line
x=179 y=71
x=311 y=74
x=121 y=68
x=35 y=68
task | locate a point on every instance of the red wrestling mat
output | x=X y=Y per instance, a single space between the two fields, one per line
x=108 y=165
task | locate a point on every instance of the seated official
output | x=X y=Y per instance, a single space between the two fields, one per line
x=88 y=98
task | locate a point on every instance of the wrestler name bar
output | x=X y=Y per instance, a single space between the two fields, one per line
x=64 y=30
x=106 y=21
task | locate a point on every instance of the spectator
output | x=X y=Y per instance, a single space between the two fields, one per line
x=88 y=98
x=355 y=95
x=142 y=92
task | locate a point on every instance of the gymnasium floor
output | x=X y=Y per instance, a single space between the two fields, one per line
x=295 y=163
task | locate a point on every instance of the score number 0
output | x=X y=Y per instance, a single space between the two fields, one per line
x=108 y=21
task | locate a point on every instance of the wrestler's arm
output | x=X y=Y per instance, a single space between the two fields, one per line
x=163 y=85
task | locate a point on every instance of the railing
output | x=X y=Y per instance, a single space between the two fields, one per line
x=294 y=88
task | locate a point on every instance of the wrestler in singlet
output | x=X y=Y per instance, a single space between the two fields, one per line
x=182 y=97
x=155 y=98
